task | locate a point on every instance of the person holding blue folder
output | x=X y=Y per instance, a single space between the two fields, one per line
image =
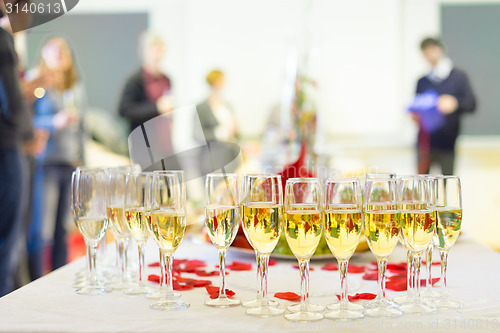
x=442 y=97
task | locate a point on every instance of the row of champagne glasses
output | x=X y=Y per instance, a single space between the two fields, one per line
x=154 y=203
x=392 y=209
x=136 y=204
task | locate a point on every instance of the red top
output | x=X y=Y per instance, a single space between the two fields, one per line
x=155 y=86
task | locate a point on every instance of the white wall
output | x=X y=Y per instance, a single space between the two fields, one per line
x=366 y=56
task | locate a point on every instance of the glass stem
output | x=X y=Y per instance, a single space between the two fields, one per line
x=444 y=267
x=417 y=261
x=409 y=272
x=123 y=258
x=140 y=248
x=163 y=270
x=264 y=263
x=382 y=266
x=222 y=273
x=91 y=254
x=304 y=283
x=103 y=246
x=344 y=300
x=118 y=253
x=428 y=266
x=168 y=260
x=259 y=276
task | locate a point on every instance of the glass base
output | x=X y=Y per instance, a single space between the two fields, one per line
x=223 y=302
x=404 y=299
x=350 y=306
x=417 y=308
x=138 y=290
x=161 y=294
x=309 y=308
x=304 y=316
x=344 y=315
x=257 y=302
x=446 y=304
x=122 y=285
x=383 y=312
x=264 y=312
x=169 y=305
x=429 y=293
x=93 y=290
x=380 y=303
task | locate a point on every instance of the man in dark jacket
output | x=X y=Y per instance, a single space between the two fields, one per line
x=455 y=98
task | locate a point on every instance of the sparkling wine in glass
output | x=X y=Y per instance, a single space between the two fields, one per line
x=168 y=222
x=448 y=224
x=262 y=207
x=381 y=226
x=222 y=219
x=303 y=227
x=138 y=190
x=343 y=216
x=89 y=208
x=418 y=220
x=118 y=222
x=162 y=290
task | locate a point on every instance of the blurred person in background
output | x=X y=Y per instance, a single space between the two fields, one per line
x=455 y=98
x=147 y=92
x=15 y=128
x=216 y=115
x=58 y=109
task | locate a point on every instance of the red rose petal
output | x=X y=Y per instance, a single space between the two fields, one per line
x=355 y=269
x=288 y=296
x=297 y=267
x=272 y=262
x=360 y=296
x=396 y=285
x=363 y=296
x=154 y=278
x=202 y=283
x=393 y=267
x=154 y=264
x=214 y=291
x=202 y=272
x=370 y=276
x=423 y=282
x=181 y=287
x=329 y=267
x=239 y=266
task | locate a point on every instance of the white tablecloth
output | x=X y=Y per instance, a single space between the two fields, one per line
x=50 y=304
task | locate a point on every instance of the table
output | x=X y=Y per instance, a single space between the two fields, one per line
x=50 y=304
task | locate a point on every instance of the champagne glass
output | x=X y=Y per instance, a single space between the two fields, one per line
x=449 y=221
x=118 y=222
x=428 y=292
x=381 y=225
x=168 y=223
x=262 y=215
x=303 y=226
x=418 y=220
x=343 y=226
x=125 y=168
x=138 y=189
x=222 y=219
x=162 y=290
x=89 y=208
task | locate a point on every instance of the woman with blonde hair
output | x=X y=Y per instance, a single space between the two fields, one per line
x=58 y=108
x=215 y=114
